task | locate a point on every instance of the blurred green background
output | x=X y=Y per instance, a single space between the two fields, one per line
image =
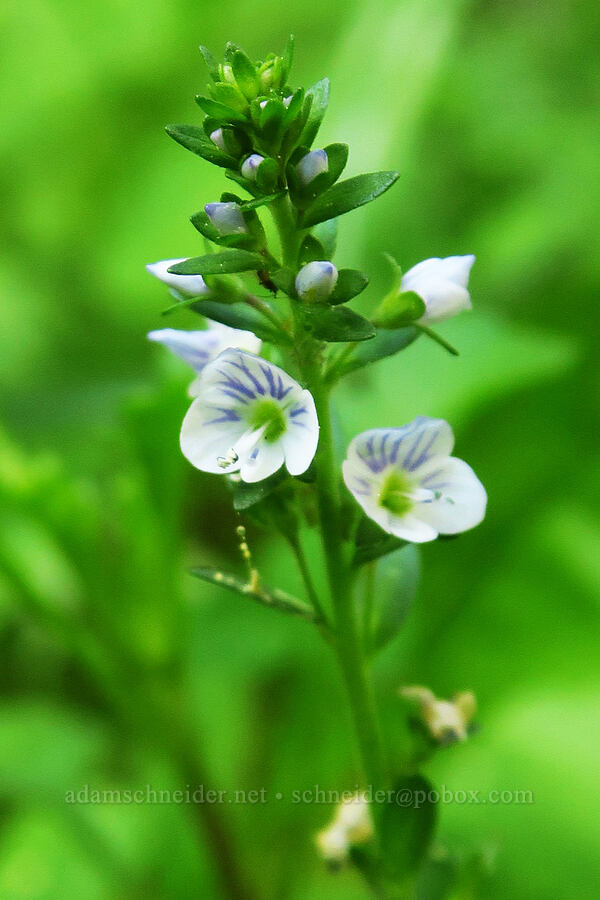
x=118 y=669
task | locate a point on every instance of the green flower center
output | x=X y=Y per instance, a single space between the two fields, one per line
x=393 y=494
x=267 y=412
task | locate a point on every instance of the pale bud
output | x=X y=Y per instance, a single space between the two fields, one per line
x=217 y=139
x=226 y=217
x=446 y=720
x=442 y=285
x=192 y=285
x=316 y=280
x=250 y=166
x=311 y=165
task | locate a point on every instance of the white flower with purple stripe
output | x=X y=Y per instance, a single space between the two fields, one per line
x=249 y=417
x=407 y=482
x=198 y=348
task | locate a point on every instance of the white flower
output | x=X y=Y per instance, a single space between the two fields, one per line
x=193 y=285
x=311 y=165
x=226 y=217
x=198 y=348
x=351 y=824
x=250 y=166
x=316 y=280
x=249 y=416
x=407 y=482
x=442 y=285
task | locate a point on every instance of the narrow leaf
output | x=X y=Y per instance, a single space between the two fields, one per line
x=348 y=195
x=262 y=201
x=219 y=111
x=194 y=138
x=319 y=94
x=245 y=74
x=350 y=284
x=336 y=323
x=242 y=316
x=396 y=583
x=385 y=343
x=211 y=62
x=223 y=263
x=274 y=598
x=406 y=825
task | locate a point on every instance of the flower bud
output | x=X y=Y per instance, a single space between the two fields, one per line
x=217 y=139
x=226 y=217
x=442 y=285
x=311 y=165
x=191 y=285
x=352 y=824
x=250 y=166
x=316 y=280
x=287 y=101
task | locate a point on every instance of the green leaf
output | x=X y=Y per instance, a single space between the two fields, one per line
x=242 y=316
x=266 y=175
x=211 y=62
x=287 y=59
x=372 y=542
x=219 y=111
x=348 y=195
x=336 y=323
x=319 y=94
x=245 y=75
x=326 y=233
x=396 y=582
x=230 y=96
x=406 y=826
x=350 y=284
x=270 y=119
x=223 y=263
x=385 y=343
x=284 y=279
x=311 y=250
x=193 y=138
x=274 y=598
x=262 y=201
x=246 y=495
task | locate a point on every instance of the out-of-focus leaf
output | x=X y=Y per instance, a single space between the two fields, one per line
x=406 y=826
x=372 y=542
x=239 y=315
x=385 y=343
x=395 y=587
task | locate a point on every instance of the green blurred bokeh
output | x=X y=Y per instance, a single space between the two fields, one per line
x=489 y=111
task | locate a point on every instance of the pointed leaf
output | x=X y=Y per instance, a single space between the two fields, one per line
x=385 y=343
x=319 y=94
x=245 y=75
x=220 y=112
x=326 y=233
x=407 y=825
x=350 y=284
x=284 y=280
x=336 y=323
x=211 y=62
x=311 y=250
x=396 y=582
x=242 y=316
x=223 y=263
x=274 y=598
x=372 y=542
x=348 y=195
x=194 y=138
x=288 y=58
x=262 y=201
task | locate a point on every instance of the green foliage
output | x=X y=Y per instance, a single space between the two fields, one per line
x=348 y=195
x=334 y=324
x=226 y=262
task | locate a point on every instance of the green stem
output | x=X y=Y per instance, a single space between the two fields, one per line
x=438 y=339
x=264 y=308
x=348 y=643
x=287 y=226
x=309 y=586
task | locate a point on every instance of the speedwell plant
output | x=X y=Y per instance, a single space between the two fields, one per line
x=277 y=335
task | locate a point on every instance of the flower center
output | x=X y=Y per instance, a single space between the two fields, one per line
x=395 y=494
x=267 y=412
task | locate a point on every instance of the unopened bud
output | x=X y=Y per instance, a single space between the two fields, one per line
x=250 y=166
x=226 y=217
x=217 y=139
x=311 y=165
x=446 y=720
x=316 y=280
